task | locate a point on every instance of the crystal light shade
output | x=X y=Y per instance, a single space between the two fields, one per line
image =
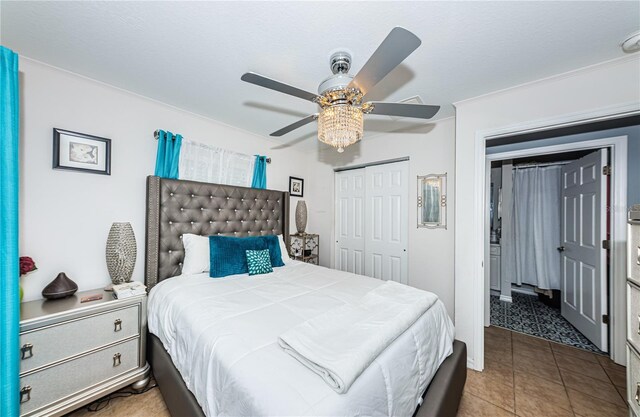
x=340 y=125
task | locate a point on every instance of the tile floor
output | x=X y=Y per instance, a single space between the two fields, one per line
x=529 y=315
x=528 y=376
x=524 y=376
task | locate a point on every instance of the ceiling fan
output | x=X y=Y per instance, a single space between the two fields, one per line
x=340 y=96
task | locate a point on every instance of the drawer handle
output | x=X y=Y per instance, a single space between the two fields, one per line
x=116 y=359
x=25 y=394
x=638 y=324
x=638 y=393
x=27 y=348
x=117 y=325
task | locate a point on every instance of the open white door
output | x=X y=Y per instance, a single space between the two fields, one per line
x=584 y=284
x=349 y=223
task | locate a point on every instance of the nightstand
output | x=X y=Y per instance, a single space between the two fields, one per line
x=73 y=353
x=305 y=247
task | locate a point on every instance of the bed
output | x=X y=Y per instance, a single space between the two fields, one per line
x=213 y=343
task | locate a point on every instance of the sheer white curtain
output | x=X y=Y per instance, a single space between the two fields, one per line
x=205 y=163
x=536 y=225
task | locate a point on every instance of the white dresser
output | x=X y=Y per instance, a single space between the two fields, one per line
x=73 y=353
x=633 y=312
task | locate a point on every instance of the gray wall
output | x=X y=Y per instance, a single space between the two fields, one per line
x=633 y=149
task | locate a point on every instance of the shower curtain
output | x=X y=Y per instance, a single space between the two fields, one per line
x=537 y=210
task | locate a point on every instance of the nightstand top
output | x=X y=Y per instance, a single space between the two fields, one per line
x=39 y=308
x=308 y=235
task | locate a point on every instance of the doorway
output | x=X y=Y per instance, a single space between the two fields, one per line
x=618 y=194
x=548 y=273
x=371 y=229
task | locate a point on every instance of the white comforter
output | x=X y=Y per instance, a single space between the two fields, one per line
x=340 y=344
x=222 y=335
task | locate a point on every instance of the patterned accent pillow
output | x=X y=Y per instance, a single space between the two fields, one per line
x=259 y=262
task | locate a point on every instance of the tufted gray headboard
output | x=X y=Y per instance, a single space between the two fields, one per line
x=175 y=207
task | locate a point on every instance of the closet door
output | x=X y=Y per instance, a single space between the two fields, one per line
x=349 y=223
x=386 y=219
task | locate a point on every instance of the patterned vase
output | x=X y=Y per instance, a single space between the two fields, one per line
x=121 y=252
x=301 y=216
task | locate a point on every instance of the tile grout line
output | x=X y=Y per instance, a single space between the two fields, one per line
x=513 y=374
x=564 y=385
x=489 y=402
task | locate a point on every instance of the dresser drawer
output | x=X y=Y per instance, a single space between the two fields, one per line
x=633 y=258
x=494 y=249
x=633 y=380
x=49 y=385
x=63 y=340
x=633 y=320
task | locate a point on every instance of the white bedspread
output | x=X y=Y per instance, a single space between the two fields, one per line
x=222 y=335
x=340 y=344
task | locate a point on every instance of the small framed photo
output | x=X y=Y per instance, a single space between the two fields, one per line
x=80 y=152
x=296 y=187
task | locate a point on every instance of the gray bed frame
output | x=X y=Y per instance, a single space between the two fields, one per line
x=177 y=207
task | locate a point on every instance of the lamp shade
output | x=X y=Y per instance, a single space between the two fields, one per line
x=340 y=125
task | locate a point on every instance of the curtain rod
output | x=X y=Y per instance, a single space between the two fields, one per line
x=540 y=164
x=156 y=135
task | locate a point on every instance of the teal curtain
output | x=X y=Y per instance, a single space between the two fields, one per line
x=168 y=154
x=259 y=172
x=9 y=257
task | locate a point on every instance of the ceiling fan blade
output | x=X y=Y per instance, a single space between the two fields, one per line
x=398 y=45
x=294 y=126
x=421 y=111
x=262 y=81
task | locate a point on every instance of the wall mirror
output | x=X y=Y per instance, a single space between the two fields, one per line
x=432 y=201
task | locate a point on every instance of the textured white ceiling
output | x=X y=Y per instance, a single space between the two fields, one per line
x=191 y=54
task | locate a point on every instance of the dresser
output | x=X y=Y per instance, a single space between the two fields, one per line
x=73 y=353
x=633 y=311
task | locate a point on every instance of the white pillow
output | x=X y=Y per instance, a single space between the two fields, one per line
x=196 y=254
x=284 y=254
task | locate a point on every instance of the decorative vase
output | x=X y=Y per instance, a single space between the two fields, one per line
x=121 y=252
x=60 y=287
x=301 y=216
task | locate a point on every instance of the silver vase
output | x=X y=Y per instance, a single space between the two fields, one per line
x=121 y=252
x=301 y=216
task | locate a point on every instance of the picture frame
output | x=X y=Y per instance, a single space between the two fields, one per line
x=296 y=187
x=81 y=152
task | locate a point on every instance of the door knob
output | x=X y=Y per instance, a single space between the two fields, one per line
x=560 y=248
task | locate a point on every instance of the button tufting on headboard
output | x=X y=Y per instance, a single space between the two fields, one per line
x=176 y=207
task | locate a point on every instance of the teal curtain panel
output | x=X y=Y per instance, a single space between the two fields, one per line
x=168 y=155
x=260 y=172
x=9 y=256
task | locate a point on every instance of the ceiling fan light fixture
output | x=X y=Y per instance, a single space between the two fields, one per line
x=340 y=125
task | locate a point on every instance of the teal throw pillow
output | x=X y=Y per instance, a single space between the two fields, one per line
x=259 y=262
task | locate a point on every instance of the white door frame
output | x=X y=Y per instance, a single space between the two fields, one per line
x=618 y=212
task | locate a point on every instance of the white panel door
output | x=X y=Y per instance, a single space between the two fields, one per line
x=386 y=216
x=584 y=284
x=349 y=220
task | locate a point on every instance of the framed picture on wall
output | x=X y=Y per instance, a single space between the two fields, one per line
x=81 y=152
x=296 y=187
